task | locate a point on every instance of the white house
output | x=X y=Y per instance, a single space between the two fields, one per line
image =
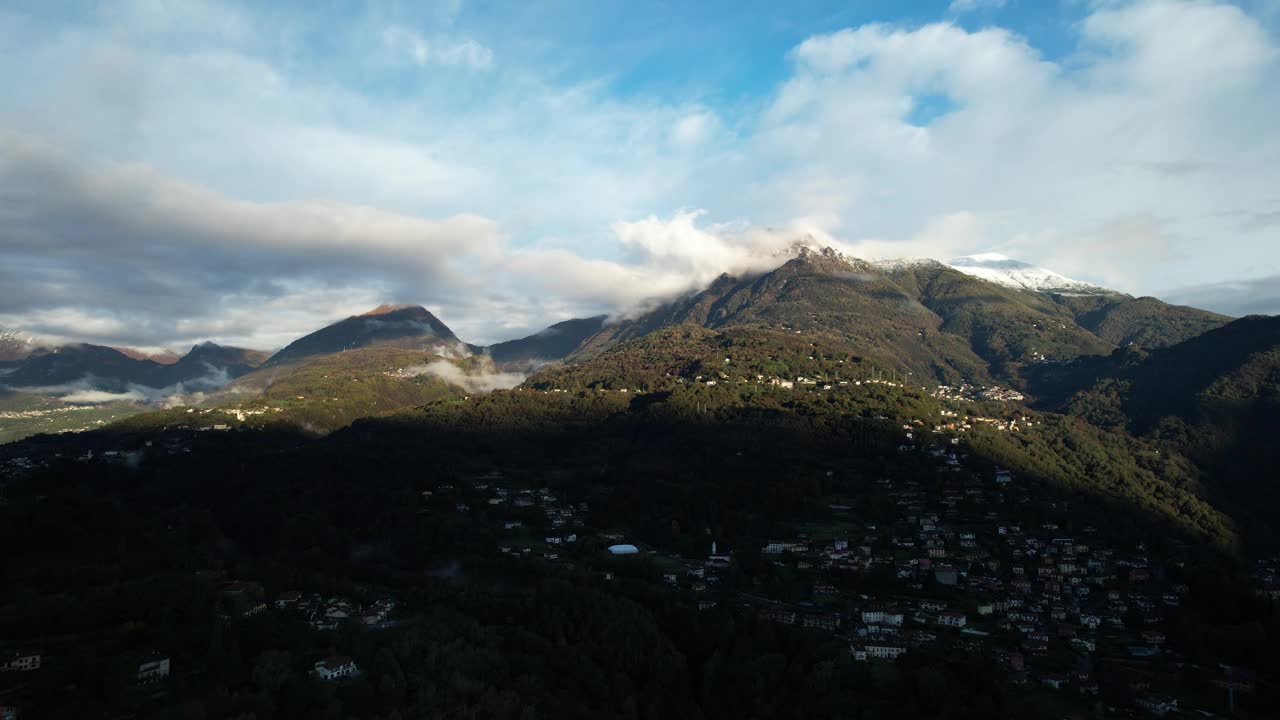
x=153 y=670
x=952 y=618
x=20 y=661
x=878 y=652
x=335 y=667
x=882 y=617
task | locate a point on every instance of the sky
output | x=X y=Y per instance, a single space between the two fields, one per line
x=174 y=171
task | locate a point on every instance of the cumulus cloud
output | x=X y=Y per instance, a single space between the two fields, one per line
x=662 y=258
x=160 y=248
x=173 y=177
x=902 y=126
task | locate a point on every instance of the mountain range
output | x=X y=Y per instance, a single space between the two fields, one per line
x=1131 y=373
x=982 y=318
x=205 y=366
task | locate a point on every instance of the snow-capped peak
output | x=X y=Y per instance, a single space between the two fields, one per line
x=1003 y=270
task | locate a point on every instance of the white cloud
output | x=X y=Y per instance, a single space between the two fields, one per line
x=1145 y=121
x=198 y=175
x=415 y=48
x=483 y=379
x=469 y=53
x=694 y=129
x=963 y=6
x=97 y=397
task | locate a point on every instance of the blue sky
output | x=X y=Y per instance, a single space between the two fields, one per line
x=180 y=170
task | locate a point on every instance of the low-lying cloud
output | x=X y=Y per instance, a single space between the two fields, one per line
x=483 y=379
x=91 y=390
x=99 y=397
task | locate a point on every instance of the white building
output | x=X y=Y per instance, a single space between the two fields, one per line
x=878 y=652
x=335 y=667
x=882 y=617
x=153 y=670
x=19 y=661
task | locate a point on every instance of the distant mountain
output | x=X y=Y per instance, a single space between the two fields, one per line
x=403 y=326
x=104 y=368
x=1002 y=270
x=164 y=357
x=554 y=343
x=74 y=363
x=213 y=364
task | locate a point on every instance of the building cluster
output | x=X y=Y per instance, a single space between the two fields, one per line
x=536 y=522
x=973 y=562
x=972 y=574
x=327 y=612
x=971 y=393
x=1267 y=575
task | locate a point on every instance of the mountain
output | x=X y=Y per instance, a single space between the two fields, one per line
x=211 y=365
x=322 y=393
x=104 y=368
x=1209 y=380
x=1002 y=270
x=922 y=317
x=405 y=326
x=983 y=319
x=74 y=363
x=930 y=320
x=1007 y=327
x=1115 y=317
x=164 y=357
x=554 y=343
x=820 y=293
x=1145 y=321
x=1214 y=397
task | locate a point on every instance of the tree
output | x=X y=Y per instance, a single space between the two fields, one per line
x=272 y=670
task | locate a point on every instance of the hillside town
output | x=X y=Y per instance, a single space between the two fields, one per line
x=975 y=566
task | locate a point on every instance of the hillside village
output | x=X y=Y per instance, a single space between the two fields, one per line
x=961 y=560
x=960 y=570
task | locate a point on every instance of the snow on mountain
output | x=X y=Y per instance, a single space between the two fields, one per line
x=990 y=266
x=1006 y=271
